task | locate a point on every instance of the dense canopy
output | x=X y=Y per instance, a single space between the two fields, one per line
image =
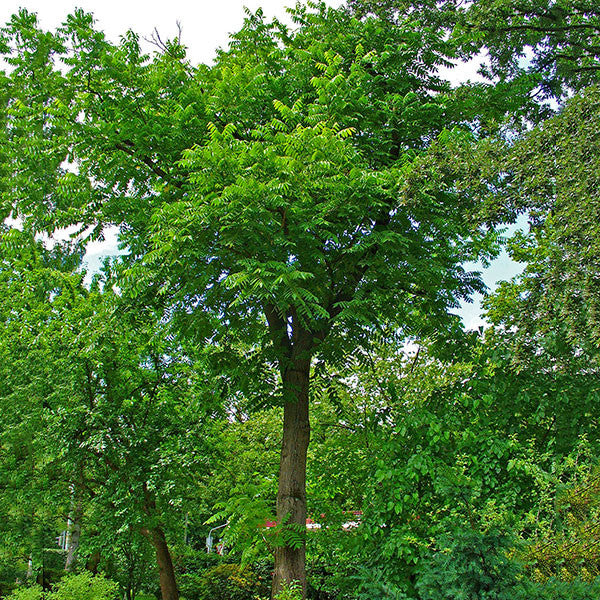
x=289 y=217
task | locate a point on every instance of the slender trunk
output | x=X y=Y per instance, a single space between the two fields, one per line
x=156 y=536
x=291 y=495
x=166 y=572
x=73 y=536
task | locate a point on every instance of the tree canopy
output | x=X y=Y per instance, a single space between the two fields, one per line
x=290 y=215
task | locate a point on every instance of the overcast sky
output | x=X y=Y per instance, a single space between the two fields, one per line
x=205 y=27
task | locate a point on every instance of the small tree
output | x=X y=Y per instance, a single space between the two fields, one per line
x=93 y=398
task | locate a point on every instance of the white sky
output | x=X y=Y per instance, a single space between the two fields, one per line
x=206 y=26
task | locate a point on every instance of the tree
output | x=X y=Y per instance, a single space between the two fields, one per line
x=554 y=305
x=557 y=40
x=288 y=196
x=94 y=397
x=554 y=43
x=35 y=485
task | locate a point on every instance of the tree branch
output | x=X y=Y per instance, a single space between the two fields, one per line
x=128 y=148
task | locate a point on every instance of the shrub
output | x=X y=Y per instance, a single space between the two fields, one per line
x=569 y=548
x=84 y=586
x=290 y=591
x=470 y=565
x=30 y=593
x=373 y=585
x=225 y=582
x=554 y=589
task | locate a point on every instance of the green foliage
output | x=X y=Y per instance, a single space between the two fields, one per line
x=567 y=548
x=93 y=412
x=561 y=590
x=31 y=593
x=554 y=305
x=290 y=591
x=84 y=586
x=447 y=442
x=372 y=584
x=560 y=35
x=552 y=43
x=312 y=186
x=470 y=565
x=323 y=139
x=278 y=204
x=228 y=582
x=475 y=565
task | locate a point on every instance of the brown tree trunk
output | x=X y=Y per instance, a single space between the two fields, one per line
x=291 y=495
x=166 y=572
x=156 y=536
x=93 y=562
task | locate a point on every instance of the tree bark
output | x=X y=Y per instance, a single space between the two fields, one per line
x=166 y=572
x=29 y=575
x=73 y=536
x=156 y=536
x=291 y=495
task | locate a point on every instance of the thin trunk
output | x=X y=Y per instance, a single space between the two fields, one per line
x=156 y=536
x=73 y=536
x=166 y=572
x=291 y=495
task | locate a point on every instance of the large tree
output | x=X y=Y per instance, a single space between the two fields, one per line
x=555 y=43
x=289 y=196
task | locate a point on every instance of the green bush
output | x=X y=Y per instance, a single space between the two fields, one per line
x=560 y=590
x=30 y=593
x=225 y=582
x=474 y=565
x=84 y=586
x=290 y=591
x=373 y=585
x=470 y=565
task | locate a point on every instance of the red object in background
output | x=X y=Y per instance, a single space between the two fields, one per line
x=310 y=524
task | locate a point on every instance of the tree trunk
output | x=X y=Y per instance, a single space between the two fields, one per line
x=291 y=495
x=29 y=575
x=156 y=536
x=73 y=536
x=93 y=561
x=166 y=572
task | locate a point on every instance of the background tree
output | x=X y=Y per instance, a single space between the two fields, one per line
x=554 y=43
x=96 y=400
x=554 y=304
x=36 y=496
